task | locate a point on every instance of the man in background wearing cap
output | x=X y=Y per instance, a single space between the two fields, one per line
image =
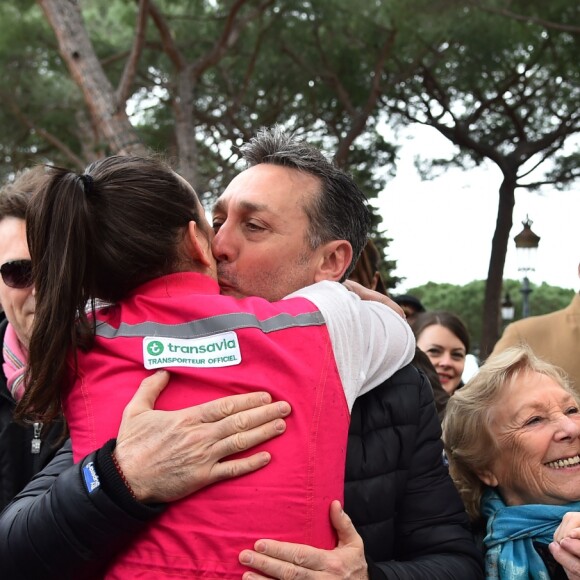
x=411 y=305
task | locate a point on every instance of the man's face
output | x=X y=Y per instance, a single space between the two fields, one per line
x=18 y=303
x=261 y=223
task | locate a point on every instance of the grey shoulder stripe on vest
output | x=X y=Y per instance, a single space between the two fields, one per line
x=211 y=325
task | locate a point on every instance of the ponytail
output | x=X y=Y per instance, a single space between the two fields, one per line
x=60 y=234
x=97 y=236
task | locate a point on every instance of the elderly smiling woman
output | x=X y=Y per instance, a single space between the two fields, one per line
x=512 y=437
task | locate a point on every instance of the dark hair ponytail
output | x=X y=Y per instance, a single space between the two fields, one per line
x=60 y=239
x=95 y=236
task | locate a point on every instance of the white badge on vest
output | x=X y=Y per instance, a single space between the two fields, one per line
x=218 y=350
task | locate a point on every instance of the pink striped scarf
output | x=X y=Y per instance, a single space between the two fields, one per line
x=14 y=365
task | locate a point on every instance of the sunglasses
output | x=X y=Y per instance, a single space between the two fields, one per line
x=17 y=273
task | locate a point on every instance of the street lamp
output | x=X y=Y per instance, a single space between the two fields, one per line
x=526 y=245
x=507 y=309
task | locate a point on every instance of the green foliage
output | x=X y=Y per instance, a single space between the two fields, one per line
x=330 y=70
x=467 y=301
x=304 y=65
x=32 y=94
x=497 y=87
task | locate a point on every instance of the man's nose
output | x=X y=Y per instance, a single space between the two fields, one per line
x=223 y=246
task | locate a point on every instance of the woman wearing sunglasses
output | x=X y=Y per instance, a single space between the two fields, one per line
x=24 y=450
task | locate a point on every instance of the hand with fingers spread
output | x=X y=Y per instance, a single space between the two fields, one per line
x=285 y=560
x=167 y=455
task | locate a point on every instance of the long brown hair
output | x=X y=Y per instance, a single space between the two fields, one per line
x=95 y=236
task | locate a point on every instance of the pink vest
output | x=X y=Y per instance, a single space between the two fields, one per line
x=283 y=348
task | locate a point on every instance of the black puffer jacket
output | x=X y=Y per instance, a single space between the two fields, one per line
x=397 y=491
x=56 y=530
x=17 y=463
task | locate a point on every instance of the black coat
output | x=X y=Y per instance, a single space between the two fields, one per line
x=397 y=491
x=17 y=463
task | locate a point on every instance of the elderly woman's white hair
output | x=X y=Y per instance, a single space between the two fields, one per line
x=469 y=443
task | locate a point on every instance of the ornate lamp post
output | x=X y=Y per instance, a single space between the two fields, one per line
x=526 y=245
x=507 y=309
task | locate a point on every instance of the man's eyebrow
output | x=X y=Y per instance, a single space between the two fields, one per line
x=219 y=205
x=249 y=206
x=246 y=206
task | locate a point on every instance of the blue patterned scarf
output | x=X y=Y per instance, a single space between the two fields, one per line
x=511 y=531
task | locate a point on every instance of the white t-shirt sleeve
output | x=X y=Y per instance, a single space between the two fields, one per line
x=370 y=340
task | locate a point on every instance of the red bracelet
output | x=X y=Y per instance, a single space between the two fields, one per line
x=122 y=476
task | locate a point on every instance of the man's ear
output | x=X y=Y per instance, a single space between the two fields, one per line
x=335 y=258
x=198 y=245
x=488 y=477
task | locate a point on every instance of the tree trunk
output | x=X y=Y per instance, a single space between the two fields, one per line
x=183 y=107
x=108 y=115
x=499 y=245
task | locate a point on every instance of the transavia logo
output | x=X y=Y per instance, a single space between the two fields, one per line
x=217 y=350
x=155 y=348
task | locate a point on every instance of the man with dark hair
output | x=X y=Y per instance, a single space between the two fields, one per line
x=318 y=214
x=262 y=222
x=272 y=237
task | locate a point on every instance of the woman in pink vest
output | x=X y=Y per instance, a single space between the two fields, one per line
x=131 y=233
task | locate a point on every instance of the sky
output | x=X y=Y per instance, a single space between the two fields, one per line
x=442 y=229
